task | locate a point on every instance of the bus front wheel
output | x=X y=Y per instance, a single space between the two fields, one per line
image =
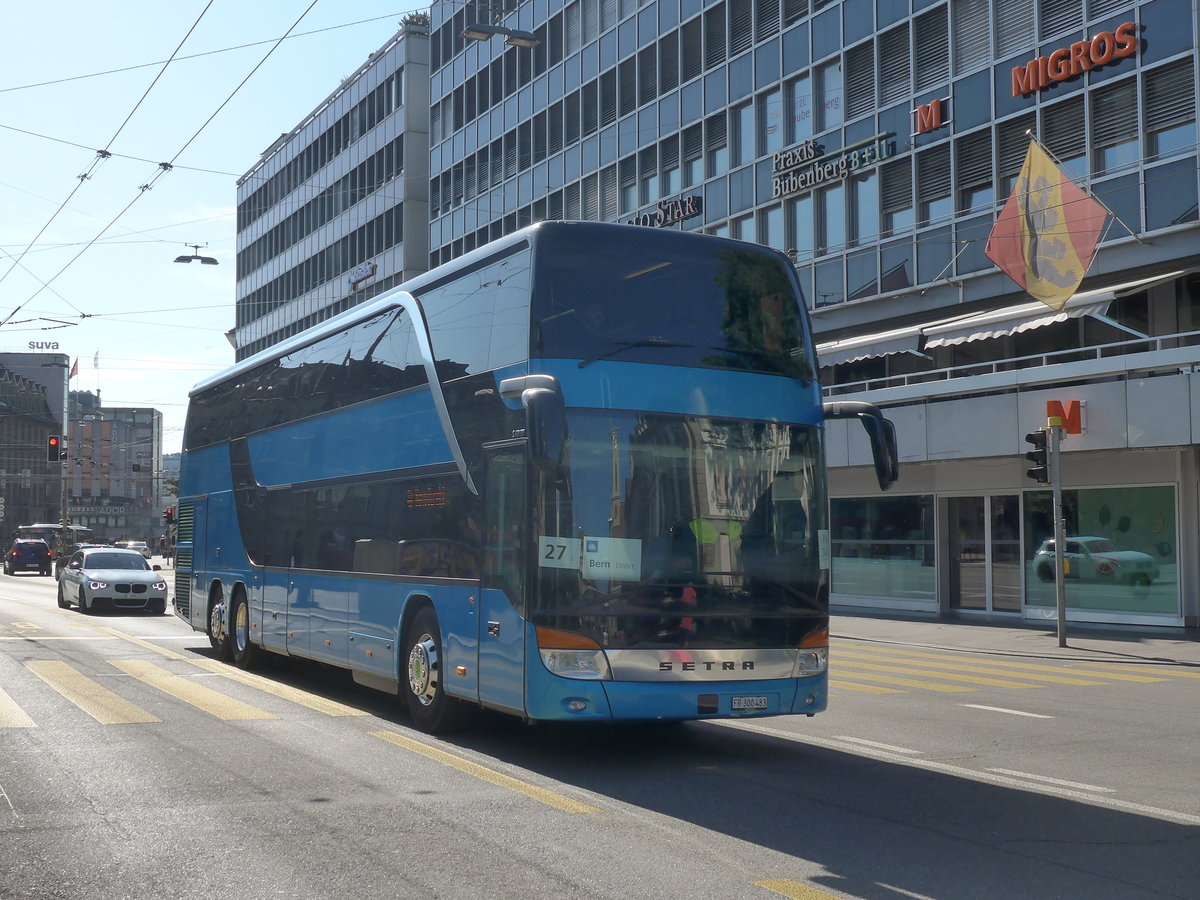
x=432 y=710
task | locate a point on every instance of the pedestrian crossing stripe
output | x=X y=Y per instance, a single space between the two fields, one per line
x=947 y=676
x=1024 y=667
x=94 y=699
x=190 y=691
x=11 y=715
x=911 y=682
x=1031 y=672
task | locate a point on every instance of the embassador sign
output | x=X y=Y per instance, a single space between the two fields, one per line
x=1082 y=56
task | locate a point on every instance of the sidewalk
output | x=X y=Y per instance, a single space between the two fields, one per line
x=1094 y=643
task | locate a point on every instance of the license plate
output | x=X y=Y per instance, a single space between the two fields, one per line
x=759 y=702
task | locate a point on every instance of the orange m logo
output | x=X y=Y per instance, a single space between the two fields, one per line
x=1071 y=414
x=929 y=116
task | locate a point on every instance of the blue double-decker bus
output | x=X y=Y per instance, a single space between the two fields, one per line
x=576 y=474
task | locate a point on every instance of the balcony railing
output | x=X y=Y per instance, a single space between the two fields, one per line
x=1137 y=357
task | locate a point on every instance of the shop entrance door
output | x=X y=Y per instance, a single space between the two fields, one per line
x=984 y=553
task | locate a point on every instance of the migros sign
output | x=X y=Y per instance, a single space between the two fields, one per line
x=1082 y=56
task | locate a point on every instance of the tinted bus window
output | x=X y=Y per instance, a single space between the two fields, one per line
x=667 y=301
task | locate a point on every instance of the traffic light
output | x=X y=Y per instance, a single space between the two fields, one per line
x=1039 y=456
x=53 y=448
x=169 y=515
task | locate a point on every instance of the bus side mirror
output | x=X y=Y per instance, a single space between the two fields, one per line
x=880 y=431
x=545 y=426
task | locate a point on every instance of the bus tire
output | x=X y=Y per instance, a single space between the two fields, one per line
x=432 y=709
x=246 y=654
x=218 y=638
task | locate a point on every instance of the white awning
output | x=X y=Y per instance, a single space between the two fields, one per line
x=980 y=326
x=884 y=343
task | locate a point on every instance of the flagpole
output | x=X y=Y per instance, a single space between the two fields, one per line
x=1083 y=187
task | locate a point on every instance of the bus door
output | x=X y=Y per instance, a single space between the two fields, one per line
x=277 y=583
x=502 y=594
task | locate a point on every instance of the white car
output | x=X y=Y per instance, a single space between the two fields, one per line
x=1097 y=559
x=111 y=578
x=140 y=547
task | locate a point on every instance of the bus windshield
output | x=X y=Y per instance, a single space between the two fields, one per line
x=667 y=531
x=667 y=302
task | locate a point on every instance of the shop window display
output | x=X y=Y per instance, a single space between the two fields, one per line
x=1121 y=553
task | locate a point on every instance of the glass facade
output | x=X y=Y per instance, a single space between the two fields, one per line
x=606 y=97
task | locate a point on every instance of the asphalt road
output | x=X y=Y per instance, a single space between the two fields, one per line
x=132 y=765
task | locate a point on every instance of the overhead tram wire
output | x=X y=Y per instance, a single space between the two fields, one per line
x=163 y=167
x=101 y=156
x=24 y=87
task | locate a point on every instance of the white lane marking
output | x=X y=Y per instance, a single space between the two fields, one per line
x=1001 y=709
x=1046 y=779
x=878 y=746
x=960 y=771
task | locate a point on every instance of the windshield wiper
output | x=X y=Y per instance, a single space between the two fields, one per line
x=631 y=345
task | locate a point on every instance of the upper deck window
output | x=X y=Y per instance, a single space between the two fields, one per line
x=639 y=295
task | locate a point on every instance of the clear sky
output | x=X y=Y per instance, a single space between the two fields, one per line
x=96 y=277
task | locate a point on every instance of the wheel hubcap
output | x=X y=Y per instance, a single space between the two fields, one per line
x=423 y=670
x=216 y=621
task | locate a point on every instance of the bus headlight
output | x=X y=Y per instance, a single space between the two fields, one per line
x=812 y=657
x=572 y=655
x=812 y=661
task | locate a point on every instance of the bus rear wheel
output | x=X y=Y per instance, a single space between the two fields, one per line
x=218 y=638
x=246 y=653
x=432 y=709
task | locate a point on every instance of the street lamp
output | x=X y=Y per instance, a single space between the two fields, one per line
x=482 y=31
x=477 y=31
x=204 y=260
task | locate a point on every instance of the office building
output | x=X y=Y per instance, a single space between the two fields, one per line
x=335 y=211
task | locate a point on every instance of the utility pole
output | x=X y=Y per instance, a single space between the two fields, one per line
x=1054 y=427
x=1047 y=469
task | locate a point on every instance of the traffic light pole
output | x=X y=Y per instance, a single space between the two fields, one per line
x=1054 y=428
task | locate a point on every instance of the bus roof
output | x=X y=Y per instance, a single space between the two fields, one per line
x=372 y=307
x=416 y=283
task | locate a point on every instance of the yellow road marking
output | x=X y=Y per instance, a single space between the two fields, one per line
x=11 y=715
x=795 y=890
x=1007 y=664
x=1163 y=675
x=286 y=692
x=542 y=795
x=914 y=683
x=909 y=670
x=862 y=688
x=199 y=696
x=147 y=645
x=988 y=668
x=57 y=637
x=98 y=702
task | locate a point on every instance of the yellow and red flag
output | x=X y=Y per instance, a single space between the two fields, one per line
x=1047 y=232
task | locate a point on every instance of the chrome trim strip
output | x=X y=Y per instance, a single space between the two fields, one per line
x=412 y=306
x=701 y=665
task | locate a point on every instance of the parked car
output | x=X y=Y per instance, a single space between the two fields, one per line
x=28 y=553
x=111 y=578
x=1097 y=559
x=140 y=547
